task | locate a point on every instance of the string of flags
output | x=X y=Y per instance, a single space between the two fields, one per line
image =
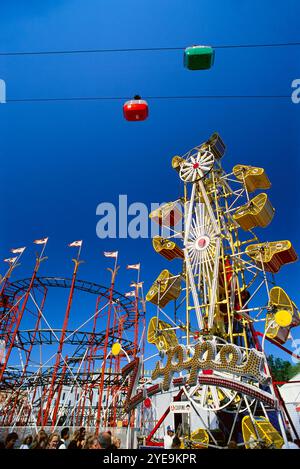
x=78 y=243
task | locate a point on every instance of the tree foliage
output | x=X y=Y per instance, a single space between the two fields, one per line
x=282 y=370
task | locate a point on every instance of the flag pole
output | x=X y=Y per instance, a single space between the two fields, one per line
x=116 y=262
x=79 y=251
x=43 y=249
x=106 y=340
x=51 y=390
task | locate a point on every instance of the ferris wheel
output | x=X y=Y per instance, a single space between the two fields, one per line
x=224 y=266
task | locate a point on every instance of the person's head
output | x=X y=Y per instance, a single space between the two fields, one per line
x=10 y=440
x=170 y=431
x=116 y=442
x=28 y=440
x=104 y=440
x=91 y=442
x=65 y=433
x=40 y=440
x=232 y=445
x=176 y=442
x=53 y=441
x=82 y=431
x=41 y=435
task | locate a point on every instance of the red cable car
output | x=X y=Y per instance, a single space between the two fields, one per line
x=136 y=109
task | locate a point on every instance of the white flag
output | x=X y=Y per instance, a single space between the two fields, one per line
x=139 y=284
x=134 y=266
x=131 y=293
x=111 y=254
x=18 y=250
x=41 y=241
x=11 y=260
x=75 y=244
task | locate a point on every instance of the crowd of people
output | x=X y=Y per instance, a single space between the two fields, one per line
x=63 y=440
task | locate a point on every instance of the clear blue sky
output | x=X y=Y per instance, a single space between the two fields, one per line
x=59 y=160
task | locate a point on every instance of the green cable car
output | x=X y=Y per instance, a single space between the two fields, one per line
x=199 y=57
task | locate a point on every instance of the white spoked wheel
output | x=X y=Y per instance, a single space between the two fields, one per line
x=207 y=397
x=201 y=247
x=196 y=166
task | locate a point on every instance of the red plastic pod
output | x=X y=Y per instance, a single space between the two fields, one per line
x=147 y=403
x=136 y=109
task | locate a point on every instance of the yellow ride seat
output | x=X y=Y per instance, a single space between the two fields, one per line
x=283 y=316
x=177 y=162
x=165 y=289
x=265 y=430
x=161 y=334
x=167 y=248
x=168 y=214
x=253 y=177
x=200 y=438
x=257 y=212
x=215 y=144
x=273 y=255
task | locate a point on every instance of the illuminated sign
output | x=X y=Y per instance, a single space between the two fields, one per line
x=229 y=359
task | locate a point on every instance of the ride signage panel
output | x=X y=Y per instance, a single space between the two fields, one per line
x=180 y=407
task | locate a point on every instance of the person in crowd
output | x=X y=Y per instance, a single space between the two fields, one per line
x=176 y=442
x=105 y=440
x=168 y=438
x=10 y=440
x=53 y=441
x=232 y=444
x=77 y=440
x=27 y=442
x=91 y=442
x=82 y=432
x=40 y=440
x=116 y=442
x=65 y=435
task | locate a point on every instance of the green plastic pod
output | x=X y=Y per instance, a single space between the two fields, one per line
x=199 y=57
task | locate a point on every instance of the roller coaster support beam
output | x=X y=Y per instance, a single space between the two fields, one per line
x=21 y=312
x=61 y=343
x=101 y=384
x=28 y=354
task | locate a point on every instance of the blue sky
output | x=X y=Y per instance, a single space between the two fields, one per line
x=59 y=160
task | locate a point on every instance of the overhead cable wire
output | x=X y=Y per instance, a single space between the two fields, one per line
x=123 y=98
x=142 y=49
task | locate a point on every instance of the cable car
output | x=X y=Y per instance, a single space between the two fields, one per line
x=199 y=57
x=136 y=109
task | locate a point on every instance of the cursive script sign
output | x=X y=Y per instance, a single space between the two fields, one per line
x=229 y=359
